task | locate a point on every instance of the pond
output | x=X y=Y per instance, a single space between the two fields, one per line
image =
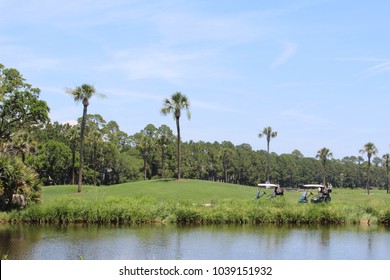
x=174 y=242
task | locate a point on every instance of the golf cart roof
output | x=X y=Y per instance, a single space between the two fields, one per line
x=268 y=185
x=312 y=186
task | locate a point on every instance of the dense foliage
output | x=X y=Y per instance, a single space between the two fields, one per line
x=111 y=157
x=17 y=179
x=20 y=111
x=20 y=107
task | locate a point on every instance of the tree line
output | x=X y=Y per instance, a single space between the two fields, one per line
x=34 y=151
x=112 y=157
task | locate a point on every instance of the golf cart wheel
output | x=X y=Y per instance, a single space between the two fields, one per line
x=327 y=199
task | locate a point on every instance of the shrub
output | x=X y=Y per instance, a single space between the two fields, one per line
x=17 y=178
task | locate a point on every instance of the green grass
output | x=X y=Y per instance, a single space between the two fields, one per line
x=197 y=191
x=171 y=201
x=202 y=192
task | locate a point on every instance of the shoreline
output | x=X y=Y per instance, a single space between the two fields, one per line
x=147 y=211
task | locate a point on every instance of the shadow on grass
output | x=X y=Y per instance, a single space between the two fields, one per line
x=168 y=180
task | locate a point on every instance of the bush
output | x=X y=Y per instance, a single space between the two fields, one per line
x=17 y=178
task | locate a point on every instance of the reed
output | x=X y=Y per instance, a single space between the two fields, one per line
x=142 y=210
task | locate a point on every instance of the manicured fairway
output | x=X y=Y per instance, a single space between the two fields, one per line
x=203 y=192
x=197 y=191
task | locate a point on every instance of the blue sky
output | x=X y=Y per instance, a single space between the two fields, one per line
x=317 y=72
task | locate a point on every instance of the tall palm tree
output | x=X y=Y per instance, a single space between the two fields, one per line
x=174 y=105
x=370 y=150
x=324 y=154
x=83 y=93
x=386 y=163
x=269 y=134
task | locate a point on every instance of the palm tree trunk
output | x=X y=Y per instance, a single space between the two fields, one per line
x=368 y=177
x=324 y=176
x=178 y=150
x=388 y=179
x=162 y=162
x=94 y=164
x=82 y=147
x=145 y=155
x=73 y=162
x=268 y=161
x=225 y=172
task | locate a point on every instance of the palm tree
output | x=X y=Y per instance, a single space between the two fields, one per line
x=370 y=150
x=324 y=154
x=83 y=93
x=17 y=178
x=267 y=132
x=174 y=105
x=21 y=144
x=386 y=163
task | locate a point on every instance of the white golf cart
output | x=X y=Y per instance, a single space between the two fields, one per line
x=277 y=190
x=323 y=193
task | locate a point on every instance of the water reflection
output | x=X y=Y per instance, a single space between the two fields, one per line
x=194 y=242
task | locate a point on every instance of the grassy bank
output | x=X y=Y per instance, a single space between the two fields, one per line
x=168 y=201
x=146 y=210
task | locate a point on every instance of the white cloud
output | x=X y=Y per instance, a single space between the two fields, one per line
x=116 y=93
x=194 y=27
x=214 y=107
x=71 y=122
x=297 y=114
x=384 y=66
x=15 y=55
x=293 y=85
x=381 y=64
x=152 y=62
x=359 y=58
x=289 y=49
x=56 y=12
x=169 y=64
x=305 y=113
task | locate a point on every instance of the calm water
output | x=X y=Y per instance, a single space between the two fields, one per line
x=171 y=242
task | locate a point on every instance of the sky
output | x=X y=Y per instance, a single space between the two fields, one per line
x=317 y=72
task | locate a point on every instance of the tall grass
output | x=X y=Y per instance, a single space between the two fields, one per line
x=141 y=210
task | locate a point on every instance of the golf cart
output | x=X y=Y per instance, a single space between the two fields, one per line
x=323 y=194
x=277 y=190
x=305 y=196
